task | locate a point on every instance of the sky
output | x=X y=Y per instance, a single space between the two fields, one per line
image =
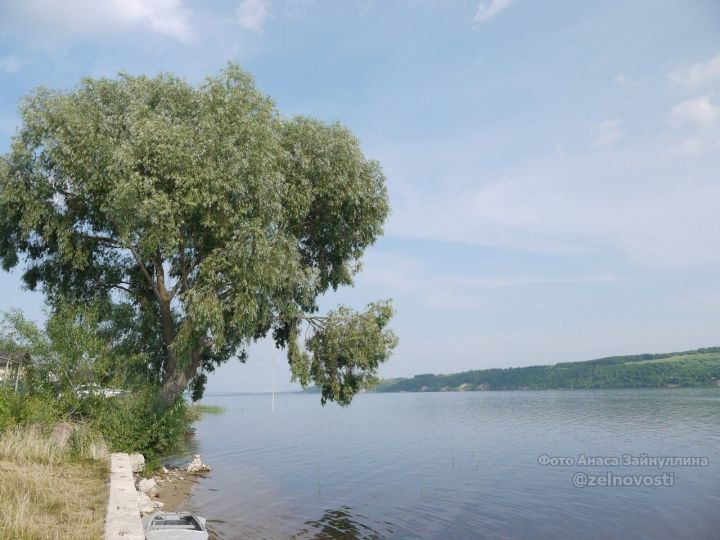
x=553 y=167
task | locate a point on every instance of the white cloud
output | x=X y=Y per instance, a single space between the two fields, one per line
x=634 y=201
x=9 y=64
x=607 y=132
x=698 y=111
x=698 y=74
x=251 y=14
x=48 y=19
x=489 y=8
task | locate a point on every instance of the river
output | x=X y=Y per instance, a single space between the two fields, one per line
x=464 y=465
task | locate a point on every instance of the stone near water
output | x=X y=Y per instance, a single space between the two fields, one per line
x=137 y=462
x=148 y=486
x=145 y=504
x=197 y=466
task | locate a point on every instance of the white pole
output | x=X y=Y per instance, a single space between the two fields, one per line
x=17 y=376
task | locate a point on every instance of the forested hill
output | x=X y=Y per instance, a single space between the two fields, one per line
x=700 y=367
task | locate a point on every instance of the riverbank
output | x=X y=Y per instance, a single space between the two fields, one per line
x=133 y=496
x=171 y=487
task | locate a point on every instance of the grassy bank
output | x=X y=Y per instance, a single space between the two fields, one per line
x=53 y=482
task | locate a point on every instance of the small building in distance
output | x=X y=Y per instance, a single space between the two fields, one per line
x=12 y=366
x=4 y=365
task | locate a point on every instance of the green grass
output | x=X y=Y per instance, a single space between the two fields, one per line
x=699 y=358
x=197 y=410
x=210 y=409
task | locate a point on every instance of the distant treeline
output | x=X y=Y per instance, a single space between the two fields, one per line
x=700 y=367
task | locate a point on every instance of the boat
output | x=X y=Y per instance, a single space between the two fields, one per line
x=174 y=526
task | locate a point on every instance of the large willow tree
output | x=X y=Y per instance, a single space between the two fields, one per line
x=210 y=219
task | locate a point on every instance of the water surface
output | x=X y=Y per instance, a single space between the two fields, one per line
x=459 y=465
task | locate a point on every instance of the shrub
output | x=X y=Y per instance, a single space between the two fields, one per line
x=140 y=423
x=19 y=409
x=74 y=356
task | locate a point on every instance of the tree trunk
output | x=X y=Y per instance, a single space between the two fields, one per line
x=175 y=381
x=172 y=387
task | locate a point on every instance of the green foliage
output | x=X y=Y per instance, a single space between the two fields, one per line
x=693 y=368
x=20 y=409
x=141 y=422
x=345 y=349
x=75 y=350
x=199 y=216
x=70 y=360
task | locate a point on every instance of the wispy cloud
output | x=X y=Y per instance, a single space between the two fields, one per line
x=251 y=14
x=47 y=19
x=698 y=74
x=407 y=275
x=9 y=64
x=607 y=132
x=489 y=8
x=634 y=201
x=694 y=111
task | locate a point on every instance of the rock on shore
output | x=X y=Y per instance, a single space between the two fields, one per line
x=197 y=466
x=148 y=486
x=137 y=462
x=172 y=483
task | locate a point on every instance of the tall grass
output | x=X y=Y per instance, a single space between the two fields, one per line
x=196 y=411
x=52 y=483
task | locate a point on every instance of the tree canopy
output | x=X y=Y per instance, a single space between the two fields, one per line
x=203 y=219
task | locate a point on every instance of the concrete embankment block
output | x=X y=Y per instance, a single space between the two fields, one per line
x=123 y=517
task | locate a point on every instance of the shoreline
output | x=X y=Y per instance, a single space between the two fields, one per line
x=169 y=489
x=174 y=488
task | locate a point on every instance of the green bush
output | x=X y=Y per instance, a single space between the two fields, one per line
x=19 y=409
x=140 y=423
x=136 y=422
x=73 y=355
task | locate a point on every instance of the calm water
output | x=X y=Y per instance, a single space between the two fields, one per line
x=458 y=465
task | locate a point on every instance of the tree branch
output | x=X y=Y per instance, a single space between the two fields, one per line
x=160 y=276
x=119 y=286
x=99 y=238
x=144 y=270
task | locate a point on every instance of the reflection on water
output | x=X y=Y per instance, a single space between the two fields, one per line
x=457 y=465
x=180 y=456
x=342 y=524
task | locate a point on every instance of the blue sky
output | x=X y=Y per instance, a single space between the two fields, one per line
x=552 y=166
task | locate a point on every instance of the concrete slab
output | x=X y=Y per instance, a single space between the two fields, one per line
x=123 y=517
